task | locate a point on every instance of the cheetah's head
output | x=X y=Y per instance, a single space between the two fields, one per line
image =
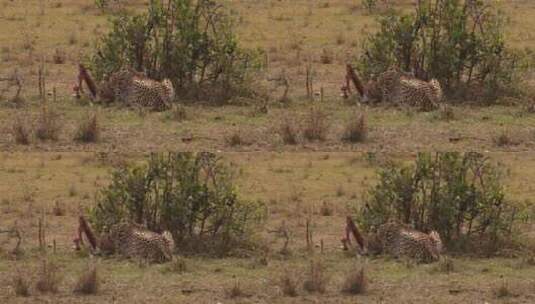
x=170 y=245
x=437 y=241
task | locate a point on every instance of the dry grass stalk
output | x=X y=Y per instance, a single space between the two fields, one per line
x=49 y=278
x=88 y=282
x=356 y=282
x=317 y=279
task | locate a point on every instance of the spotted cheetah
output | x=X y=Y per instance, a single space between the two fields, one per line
x=130 y=87
x=128 y=240
x=398 y=240
x=132 y=241
x=399 y=88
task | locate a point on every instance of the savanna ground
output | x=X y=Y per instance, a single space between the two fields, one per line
x=294 y=35
x=294 y=186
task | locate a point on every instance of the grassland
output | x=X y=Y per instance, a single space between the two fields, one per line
x=294 y=34
x=294 y=186
x=66 y=174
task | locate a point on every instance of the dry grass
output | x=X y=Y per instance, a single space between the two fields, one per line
x=288 y=284
x=504 y=139
x=21 y=131
x=48 y=125
x=58 y=209
x=88 y=282
x=326 y=209
x=88 y=130
x=445 y=265
x=288 y=131
x=235 y=139
x=356 y=282
x=178 y=265
x=502 y=290
x=326 y=56
x=178 y=113
x=316 y=280
x=21 y=285
x=316 y=125
x=59 y=56
x=235 y=291
x=49 y=278
x=356 y=130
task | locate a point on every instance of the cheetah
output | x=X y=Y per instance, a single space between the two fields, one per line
x=397 y=240
x=130 y=241
x=130 y=87
x=396 y=87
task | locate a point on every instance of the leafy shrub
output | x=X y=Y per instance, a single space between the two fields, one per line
x=459 y=195
x=189 y=42
x=191 y=195
x=461 y=43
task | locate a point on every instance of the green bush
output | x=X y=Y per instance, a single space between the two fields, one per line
x=189 y=42
x=459 y=195
x=191 y=195
x=460 y=43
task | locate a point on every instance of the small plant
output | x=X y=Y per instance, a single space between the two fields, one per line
x=288 y=131
x=178 y=113
x=502 y=291
x=316 y=280
x=73 y=38
x=340 y=191
x=49 y=278
x=88 y=282
x=21 y=132
x=59 y=56
x=326 y=57
x=326 y=209
x=288 y=285
x=316 y=125
x=88 y=129
x=369 y=5
x=21 y=285
x=445 y=265
x=504 y=139
x=178 y=265
x=72 y=191
x=445 y=113
x=356 y=282
x=58 y=209
x=235 y=139
x=48 y=125
x=356 y=130
x=235 y=291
